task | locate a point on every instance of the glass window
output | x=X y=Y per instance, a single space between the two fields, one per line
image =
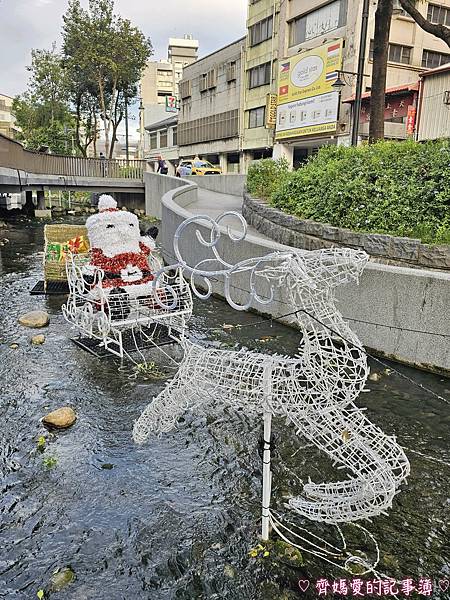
x=431 y=60
x=163 y=139
x=318 y=22
x=396 y=53
x=256 y=117
x=439 y=15
x=259 y=75
x=261 y=31
x=174 y=136
x=153 y=141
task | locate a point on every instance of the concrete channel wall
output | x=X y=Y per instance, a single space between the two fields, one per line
x=399 y=312
x=223 y=184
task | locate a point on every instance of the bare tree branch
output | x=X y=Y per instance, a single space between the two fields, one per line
x=440 y=31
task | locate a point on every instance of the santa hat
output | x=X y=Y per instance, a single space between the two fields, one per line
x=106 y=203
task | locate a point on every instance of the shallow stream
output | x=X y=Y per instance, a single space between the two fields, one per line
x=177 y=517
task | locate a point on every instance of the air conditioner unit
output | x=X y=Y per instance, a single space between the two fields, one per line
x=447 y=97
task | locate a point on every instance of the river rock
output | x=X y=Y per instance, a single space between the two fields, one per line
x=374 y=377
x=60 y=418
x=61 y=578
x=35 y=318
x=37 y=340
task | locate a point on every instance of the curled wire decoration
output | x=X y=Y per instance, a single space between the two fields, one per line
x=216 y=266
x=314 y=390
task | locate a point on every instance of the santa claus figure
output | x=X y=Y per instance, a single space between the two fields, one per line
x=119 y=249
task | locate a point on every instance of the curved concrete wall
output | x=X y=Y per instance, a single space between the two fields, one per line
x=399 y=312
x=223 y=184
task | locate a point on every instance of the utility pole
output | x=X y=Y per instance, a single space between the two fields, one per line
x=360 y=72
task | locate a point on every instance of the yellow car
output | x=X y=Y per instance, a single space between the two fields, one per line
x=197 y=167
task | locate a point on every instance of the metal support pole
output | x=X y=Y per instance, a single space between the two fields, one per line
x=267 y=477
x=360 y=76
x=127 y=149
x=267 y=473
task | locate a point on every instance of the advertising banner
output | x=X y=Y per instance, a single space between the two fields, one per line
x=307 y=104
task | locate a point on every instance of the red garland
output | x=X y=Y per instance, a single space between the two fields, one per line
x=115 y=264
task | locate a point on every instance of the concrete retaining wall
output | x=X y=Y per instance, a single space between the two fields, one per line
x=224 y=184
x=311 y=235
x=155 y=187
x=399 y=312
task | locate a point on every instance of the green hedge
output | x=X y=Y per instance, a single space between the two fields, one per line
x=265 y=175
x=399 y=188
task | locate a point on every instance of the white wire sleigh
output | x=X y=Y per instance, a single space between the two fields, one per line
x=109 y=316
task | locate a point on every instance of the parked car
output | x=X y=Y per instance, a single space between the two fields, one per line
x=199 y=167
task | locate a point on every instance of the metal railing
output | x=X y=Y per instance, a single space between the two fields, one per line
x=14 y=156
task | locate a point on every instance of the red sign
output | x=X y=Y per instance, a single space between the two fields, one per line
x=410 y=120
x=284 y=89
x=395 y=107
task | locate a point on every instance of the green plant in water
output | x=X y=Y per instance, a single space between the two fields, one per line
x=41 y=443
x=148 y=370
x=49 y=462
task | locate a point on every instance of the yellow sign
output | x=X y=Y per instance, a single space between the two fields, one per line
x=307 y=103
x=271 y=111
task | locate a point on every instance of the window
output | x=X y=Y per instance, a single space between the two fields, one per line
x=208 y=80
x=430 y=59
x=256 y=117
x=231 y=71
x=163 y=139
x=153 y=141
x=261 y=31
x=396 y=53
x=317 y=22
x=185 y=88
x=259 y=75
x=439 y=15
x=174 y=136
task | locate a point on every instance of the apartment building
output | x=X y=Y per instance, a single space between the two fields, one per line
x=259 y=79
x=7 y=121
x=210 y=105
x=163 y=141
x=160 y=81
x=311 y=28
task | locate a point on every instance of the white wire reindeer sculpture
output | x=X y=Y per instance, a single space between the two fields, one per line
x=314 y=390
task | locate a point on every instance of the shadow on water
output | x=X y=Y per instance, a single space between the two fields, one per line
x=176 y=518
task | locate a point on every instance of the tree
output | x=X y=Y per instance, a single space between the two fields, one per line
x=43 y=113
x=105 y=54
x=440 y=31
x=383 y=17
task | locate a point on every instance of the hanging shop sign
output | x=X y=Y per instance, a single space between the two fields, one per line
x=307 y=103
x=411 y=120
x=271 y=110
x=171 y=104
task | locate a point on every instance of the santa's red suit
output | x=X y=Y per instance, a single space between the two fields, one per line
x=127 y=268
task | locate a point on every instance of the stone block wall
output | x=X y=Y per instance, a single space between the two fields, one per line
x=312 y=235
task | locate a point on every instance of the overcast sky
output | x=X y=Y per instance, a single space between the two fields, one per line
x=27 y=24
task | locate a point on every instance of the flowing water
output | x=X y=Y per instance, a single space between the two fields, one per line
x=177 y=517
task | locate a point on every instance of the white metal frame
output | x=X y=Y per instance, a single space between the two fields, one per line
x=103 y=313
